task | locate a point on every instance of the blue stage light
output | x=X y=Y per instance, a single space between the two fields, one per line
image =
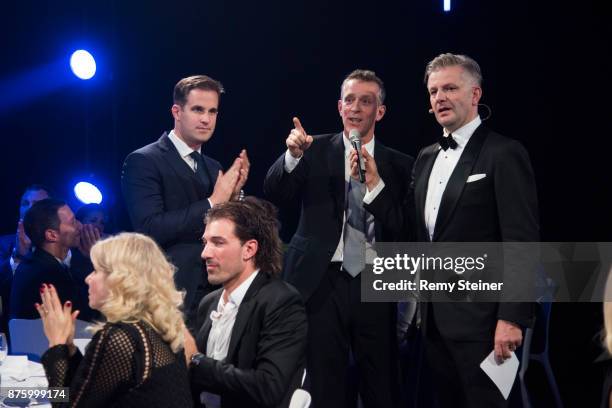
x=447 y=5
x=87 y=193
x=83 y=64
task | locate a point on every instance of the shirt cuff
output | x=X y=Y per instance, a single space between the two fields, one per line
x=290 y=162
x=371 y=195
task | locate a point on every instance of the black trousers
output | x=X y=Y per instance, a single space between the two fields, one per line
x=338 y=323
x=457 y=379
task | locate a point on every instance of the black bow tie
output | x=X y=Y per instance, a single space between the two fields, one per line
x=446 y=142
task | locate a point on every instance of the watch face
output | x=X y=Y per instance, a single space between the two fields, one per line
x=196 y=358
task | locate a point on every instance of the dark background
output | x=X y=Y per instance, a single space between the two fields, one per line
x=546 y=69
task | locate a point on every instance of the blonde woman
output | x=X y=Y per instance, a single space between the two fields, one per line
x=134 y=358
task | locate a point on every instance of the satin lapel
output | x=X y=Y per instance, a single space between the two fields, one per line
x=177 y=163
x=456 y=183
x=335 y=164
x=422 y=182
x=244 y=313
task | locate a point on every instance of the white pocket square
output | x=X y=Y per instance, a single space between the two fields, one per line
x=475 y=177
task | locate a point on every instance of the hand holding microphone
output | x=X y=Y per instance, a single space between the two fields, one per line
x=363 y=166
x=355 y=139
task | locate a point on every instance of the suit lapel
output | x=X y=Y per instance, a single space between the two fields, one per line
x=456 y=183
x=422 y=182
x=176 y=162
x=244 y=313
x=205 y=330
x=335 y=164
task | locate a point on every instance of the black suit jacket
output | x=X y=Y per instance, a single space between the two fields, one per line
x=318 y=182
x=41 y=267
x=266 y=354
x=501 y=207
x=167 y=201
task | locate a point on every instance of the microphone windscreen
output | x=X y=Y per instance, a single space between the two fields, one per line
x=354 y=135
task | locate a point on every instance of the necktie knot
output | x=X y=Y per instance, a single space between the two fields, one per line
x=446 y=142
x=196 y=159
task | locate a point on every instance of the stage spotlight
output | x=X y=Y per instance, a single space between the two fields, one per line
x=447 y=5
x=87 y=193
x=83 y=64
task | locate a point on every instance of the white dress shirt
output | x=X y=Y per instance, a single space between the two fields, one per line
x=291 y=163
x=443 y=167
x=185 y=151
x=223 y=320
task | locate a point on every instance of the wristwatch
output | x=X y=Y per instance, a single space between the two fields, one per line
x=196 y=359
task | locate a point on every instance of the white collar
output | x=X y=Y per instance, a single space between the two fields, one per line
x=348 y=146
x=238 y=294
x=463 y=134
x=180 y=145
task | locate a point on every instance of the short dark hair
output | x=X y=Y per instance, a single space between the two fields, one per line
x=451 y=60
x=186 y=85
x=41 y=217
x=366 y=76
x=254 y=219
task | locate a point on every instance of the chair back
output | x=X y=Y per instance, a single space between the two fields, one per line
x=28 y=337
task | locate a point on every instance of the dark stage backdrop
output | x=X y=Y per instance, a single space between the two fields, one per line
x=545 y=64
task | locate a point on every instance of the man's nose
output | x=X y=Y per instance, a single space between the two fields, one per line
x=205 y=253
x=440 y=95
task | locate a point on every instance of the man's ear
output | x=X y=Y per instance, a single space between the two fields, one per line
x=250 y=249
x=51 y=235
x=176 y=110
x=380 y=112
x=476 y=95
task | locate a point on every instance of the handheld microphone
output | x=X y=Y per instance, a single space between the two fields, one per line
x=355 y=139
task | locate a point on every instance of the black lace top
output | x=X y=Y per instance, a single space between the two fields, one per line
x=125 y=365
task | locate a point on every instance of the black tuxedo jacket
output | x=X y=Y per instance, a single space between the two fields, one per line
x=501 y=207
x=318 y=182
x=167 y=201
x=41 y=267
x=266 y=355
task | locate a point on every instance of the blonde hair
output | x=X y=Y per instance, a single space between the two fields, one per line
x=141 y=286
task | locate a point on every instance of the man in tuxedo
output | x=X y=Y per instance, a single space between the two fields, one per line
x=334 y=241
x=474 y=185
x=251 y=341
x=169 y=185
x=53 y=229
x=14 y=247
